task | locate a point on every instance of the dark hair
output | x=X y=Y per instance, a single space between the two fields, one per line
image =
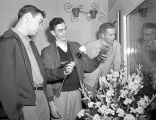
x=54 y=22
x=32 y=9
x=149 y=25
x=103 y=27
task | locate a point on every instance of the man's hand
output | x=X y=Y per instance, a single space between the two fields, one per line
x=53 y=110
x=103 y=52
x=102 y=55
x=69 y=68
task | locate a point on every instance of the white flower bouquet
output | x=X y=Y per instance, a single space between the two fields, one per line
x=117 y=98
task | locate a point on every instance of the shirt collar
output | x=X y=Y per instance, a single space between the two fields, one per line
x=25 y=39
x=62 y=45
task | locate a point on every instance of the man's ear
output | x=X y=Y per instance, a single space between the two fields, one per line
x=102 y=35
x=53 y=33
x=28 y=16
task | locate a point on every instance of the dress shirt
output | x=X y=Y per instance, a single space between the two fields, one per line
x=37 y=77
x=61 y=45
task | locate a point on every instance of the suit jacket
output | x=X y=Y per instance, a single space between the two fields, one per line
x=16 y=81
x=51 y=60
x=113 y=60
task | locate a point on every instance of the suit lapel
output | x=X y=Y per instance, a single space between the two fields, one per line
x=22 y=51
x=25 y=58
x=73 y=50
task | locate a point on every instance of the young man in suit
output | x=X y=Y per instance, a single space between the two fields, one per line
x=64 y=97
x=22 y=75
x=106 y=41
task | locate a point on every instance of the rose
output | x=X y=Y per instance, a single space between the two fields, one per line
x=82 y=49
x=79 y=53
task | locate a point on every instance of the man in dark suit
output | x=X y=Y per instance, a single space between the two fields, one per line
x=64 y=97
x=22 y=75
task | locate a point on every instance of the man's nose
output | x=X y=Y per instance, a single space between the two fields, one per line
x=113 y=37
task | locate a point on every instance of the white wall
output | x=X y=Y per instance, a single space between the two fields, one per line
x=82 y=31
x=124 y=6
x=111 y=3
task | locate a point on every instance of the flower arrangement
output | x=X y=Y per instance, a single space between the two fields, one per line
x=117 y=98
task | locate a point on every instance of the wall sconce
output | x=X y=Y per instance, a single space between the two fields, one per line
x=143 y=12
x=91 y=14
x=145 y=8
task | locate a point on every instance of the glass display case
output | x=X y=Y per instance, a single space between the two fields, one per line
x=139 y=42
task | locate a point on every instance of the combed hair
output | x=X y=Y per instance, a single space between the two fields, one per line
x=32 y=9
x=54 y=22
x=103 y=27
x=149 y=25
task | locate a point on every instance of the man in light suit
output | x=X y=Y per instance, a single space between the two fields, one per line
x=107 y=42
x=22 y=75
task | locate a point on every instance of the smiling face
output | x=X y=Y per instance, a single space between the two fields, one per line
x=109 y=35
x=60 y=32
x=149 y=34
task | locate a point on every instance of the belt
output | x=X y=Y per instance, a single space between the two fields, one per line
x=38 y=88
